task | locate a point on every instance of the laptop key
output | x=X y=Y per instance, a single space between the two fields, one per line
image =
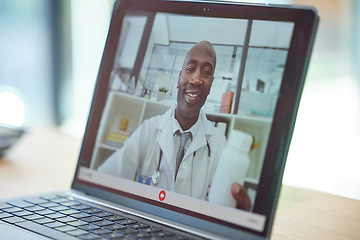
x=77 y=223
x=81 y=207
x=59 y=208
x=36 y=200
x=127 y=230
x=93 y=210
x=22 y=213
x=49 y=204
x=103 y=214
x=126 y=221
x=66 y=219
x=151 y=229
x=138 y=225
x=33 y=217
x=45 y=212
x=43 y=220
x=140 y=235
x=114 y=235
x=77 y=232
x=49 y=197
x=71 y=203
x=54 y=224
x=103 y=223
x=163 y=234
x=80 y=215
x=91 y=219
x=115 y=226
x=89 y=227
x=60 y=200
x=21 y=204
x=34 y=208
x=114 y=218
x=5 y=215
x=41 y=229
x=70 y=211
x=66 y=196
x=89 y=236
x=13 y=220
x=56 y=215
x=4 y=205
x=65 y=228
x=101 y=231
x=12 y=209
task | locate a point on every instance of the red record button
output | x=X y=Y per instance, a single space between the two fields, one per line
x=162 y=195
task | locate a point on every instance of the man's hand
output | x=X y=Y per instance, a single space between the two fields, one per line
x=241 y=197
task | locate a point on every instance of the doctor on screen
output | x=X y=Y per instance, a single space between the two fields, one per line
x=179 y=150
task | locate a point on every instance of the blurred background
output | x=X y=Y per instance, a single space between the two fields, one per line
x=50 y=52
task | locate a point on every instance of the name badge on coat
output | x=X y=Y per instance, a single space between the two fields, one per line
x=144 y=179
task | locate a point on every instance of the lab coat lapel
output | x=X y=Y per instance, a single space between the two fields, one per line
x=199 y=140
x=165 y=138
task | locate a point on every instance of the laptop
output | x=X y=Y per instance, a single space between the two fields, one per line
x=120 y=190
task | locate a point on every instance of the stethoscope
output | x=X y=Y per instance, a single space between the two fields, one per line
x=155 y=177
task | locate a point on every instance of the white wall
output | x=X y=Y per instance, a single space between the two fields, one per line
x=89 y=25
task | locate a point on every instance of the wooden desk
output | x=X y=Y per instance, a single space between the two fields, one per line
x=308 y=214
x=45 y=160
x=41 y=161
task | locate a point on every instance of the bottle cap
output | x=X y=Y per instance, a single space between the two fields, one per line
x=240 y=140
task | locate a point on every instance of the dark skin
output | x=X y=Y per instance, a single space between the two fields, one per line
x=194 y=84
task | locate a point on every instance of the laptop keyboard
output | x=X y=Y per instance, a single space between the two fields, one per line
x=59 y=216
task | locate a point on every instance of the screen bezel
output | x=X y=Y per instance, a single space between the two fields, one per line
x=305 y=20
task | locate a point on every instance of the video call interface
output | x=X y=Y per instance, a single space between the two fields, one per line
x=251 y=57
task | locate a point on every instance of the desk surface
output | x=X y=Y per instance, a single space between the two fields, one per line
x=301 y=214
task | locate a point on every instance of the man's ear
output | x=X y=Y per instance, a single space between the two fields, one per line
x=212 y=80
x=179 y=79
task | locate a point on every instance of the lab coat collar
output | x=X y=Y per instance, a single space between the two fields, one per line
x=206 y=129
x=207 y=126
x=176 y=126
x=165 y=119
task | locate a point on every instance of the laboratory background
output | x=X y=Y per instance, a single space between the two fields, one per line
x=50 y=53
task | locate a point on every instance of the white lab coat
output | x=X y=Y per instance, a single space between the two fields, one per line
x=140 y=156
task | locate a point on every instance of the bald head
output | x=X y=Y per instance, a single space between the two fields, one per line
x=204 y=47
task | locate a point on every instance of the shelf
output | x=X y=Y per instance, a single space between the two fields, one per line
x=108 y=147
x=153 y=109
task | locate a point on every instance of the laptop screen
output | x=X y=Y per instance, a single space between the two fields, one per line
x=230 y=75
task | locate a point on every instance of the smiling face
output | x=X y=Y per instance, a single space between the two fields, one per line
x=194 y=82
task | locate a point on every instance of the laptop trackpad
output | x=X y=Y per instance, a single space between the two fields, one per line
x=12 y=233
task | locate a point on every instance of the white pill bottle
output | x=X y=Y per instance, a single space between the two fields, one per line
x=232 y=167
